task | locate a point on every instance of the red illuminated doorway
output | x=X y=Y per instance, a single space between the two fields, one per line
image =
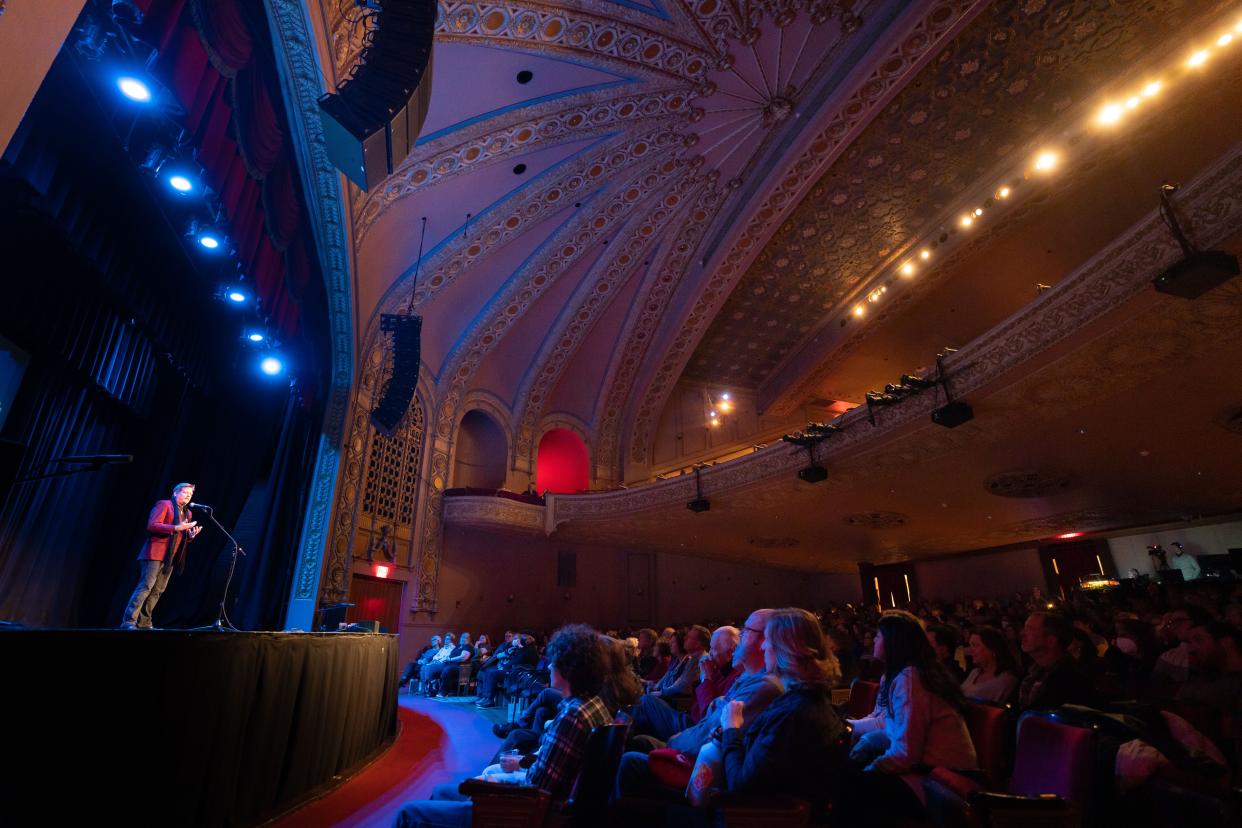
x=562 y=464
x=375 y=599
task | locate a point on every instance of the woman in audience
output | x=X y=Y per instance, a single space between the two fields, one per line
x=795 y=746
x=917 y=723
x=662 y=657
x=679 y=666
x=995 y=673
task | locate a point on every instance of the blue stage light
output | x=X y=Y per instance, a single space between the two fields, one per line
x=255 y=336
x=181 y=183
x=134 y=89
x=271 y=366
x=236 y=296
x=209 y=241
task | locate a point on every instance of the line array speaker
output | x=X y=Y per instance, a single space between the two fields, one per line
x=406 y=333
x=373 y=119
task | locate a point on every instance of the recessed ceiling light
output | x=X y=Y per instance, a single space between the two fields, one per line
x=519 y=169
x=525 y=76
x=1198 y=59
x=1111 y=114
x=967 y=221
x=1152 y=89
x=1046 y=161
x=1003 y=192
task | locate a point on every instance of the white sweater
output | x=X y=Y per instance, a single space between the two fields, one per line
x=922 y=729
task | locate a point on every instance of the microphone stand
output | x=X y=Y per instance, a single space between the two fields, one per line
x=222 y=622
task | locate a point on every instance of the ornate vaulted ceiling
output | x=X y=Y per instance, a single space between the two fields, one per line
x=619 y=194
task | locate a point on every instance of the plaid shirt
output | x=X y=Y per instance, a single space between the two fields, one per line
x=564 y=741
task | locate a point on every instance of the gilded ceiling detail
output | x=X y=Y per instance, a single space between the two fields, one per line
x=1013 y=71
x=929 y=34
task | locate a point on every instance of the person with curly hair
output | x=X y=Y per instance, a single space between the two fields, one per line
x=579 y=665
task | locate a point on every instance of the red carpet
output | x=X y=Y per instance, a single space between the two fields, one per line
x=436 y=743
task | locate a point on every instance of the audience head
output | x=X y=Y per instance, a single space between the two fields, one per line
x=723 y=646
x=465 y=639
x=1178 y=623
x=696 y=640
x=632 y=650
x=990 y=651
x=668 y=632
x=664 y=649
x=901 y=643
x=1046 y=636
x=1215 y=645
x=436 y=641
x=508 y=636
x=647 y=639
x=944 y=640
x=749 y=654
x=449 y=639
x=796 y=650
x=620 y=687
x=577 y=660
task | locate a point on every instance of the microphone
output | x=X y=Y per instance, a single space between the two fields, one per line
x=202 y=506
x=97 y=459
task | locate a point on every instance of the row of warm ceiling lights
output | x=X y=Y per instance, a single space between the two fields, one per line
x=723 y=406
x=1047 y=160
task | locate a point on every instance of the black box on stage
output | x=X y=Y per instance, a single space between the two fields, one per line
x=332 y=616
x=363 y=627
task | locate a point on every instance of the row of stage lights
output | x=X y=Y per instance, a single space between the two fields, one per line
x=184 y=179
x=1048 y=160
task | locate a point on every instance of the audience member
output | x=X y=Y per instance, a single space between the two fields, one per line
x=655 y=716
x=1173 y=666
x=995 y=673
x=450 y=669
x=794 y=747
x=648 y=658
x=755 y=687
x=944 y=641
x=1215 y=684
x=682 y=675
x=424 y=655
x=917 y=722
x=1054 y=678
x=717 y=671
x=577 y=662
x=432 y=667
x=520 y=655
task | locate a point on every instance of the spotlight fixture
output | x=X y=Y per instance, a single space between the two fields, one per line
x=700 y=504
x=135 y=89
x=209 y=240
x=181 y=183
x=255 y=336
x=272 y=366
x=954 y=412
x=1046 y=161
x=1199 y=270
x=235 y=295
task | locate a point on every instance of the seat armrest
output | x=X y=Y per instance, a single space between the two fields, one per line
x=477 y=787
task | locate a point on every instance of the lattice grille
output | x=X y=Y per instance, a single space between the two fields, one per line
x=391 y=488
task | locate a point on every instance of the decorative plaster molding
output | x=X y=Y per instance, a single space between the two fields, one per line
x=1212 y=204
x=941 y=22
x=494 y=513
x=296 y=54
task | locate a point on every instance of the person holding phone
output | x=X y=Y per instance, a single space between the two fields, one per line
x=169 y=530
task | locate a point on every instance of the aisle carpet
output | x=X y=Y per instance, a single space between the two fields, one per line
x=439 y=742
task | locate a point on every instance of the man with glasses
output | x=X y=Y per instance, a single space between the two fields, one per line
x=755 y=687
x=1173 y=666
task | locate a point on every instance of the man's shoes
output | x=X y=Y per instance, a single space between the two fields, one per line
x=502 y=731
x=484 y=705
x=129 y=625
x=440 y=695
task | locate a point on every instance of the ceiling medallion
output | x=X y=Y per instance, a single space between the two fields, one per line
x=778 y=108
x=877 y=520
x=1231 y=419
x=774 y=543
x=1029 y=483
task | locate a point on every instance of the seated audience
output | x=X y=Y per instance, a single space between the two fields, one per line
x=917 y=723
x=424 y=655
x=519 y=655
x=435 y=664
x=648 y=658
x=995 y=673
x=656 y=717
x=682 y=675
x=794 y=746
x=578 y=665
x=755 y=687
x=1054 y=678
x=1173 y=665
x=944 y=641
x=717 y=671
x=450 y=669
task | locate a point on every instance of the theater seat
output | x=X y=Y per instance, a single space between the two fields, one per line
x=990 y=725
x=1050 y=781
x=862 y=698
x=510 y=806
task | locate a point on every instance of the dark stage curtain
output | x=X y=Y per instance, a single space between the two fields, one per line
x=129 y=353
x=186 y=729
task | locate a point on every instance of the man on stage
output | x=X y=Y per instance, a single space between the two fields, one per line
x=169 y=529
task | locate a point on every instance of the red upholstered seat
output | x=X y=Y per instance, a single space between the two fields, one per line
x=989 y=729
x=1053 y=758
x=862 y=698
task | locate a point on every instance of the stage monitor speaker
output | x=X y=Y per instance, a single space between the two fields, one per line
x=372 y=121
x=332 y=616
x=406 y=335
x=363 y=627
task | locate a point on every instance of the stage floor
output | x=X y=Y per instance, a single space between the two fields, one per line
x=172 y=727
